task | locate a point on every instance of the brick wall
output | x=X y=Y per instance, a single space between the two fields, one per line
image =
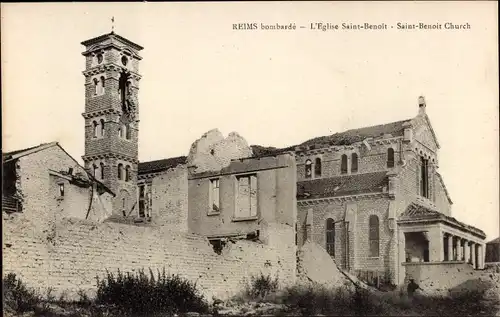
x=74 y=252
x=359 y=235
x=369 y=161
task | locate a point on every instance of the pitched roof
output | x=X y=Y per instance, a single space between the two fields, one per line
x=357 y=135
x=341 y=138
x=342 y=185
x=161 y=165
x=12 y=155
x=416 y=213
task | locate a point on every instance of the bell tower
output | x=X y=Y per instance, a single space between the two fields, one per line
x=112 y=115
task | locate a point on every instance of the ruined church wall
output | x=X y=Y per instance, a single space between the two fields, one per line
x=70 y=256
x=170 y=199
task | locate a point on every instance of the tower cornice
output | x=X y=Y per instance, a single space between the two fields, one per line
x=110 y=66
x=118 y=156
x=110 y=36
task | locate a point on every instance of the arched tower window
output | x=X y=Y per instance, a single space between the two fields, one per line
x=103 y=83
x=127 y=173
x=330 y=237
x=354 y=163
x=102 y=170
x=374 y=236
x=343 y=164
x=94 y=170
x=94 y=129
x=317 y=167
x=102 y=127
x=390 y=157
x=308 y=169
x=127 y=131
x=122 y=130
x=120 y=171
x=96 y=86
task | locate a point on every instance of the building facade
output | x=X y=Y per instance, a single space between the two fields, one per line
x=46 y=183
x=373 y=197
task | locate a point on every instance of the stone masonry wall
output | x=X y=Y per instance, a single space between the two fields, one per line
x=443 y=277
x=74 y=252
x=170 y=199
x=35 y=180
x=373 y=160
x=336 y=211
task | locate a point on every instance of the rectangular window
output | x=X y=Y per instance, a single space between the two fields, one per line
x=424 y=177
x=246 y=197
x=214 y=207
x=142 y=205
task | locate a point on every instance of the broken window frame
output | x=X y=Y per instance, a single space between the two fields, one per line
x=252 y=212
x=214 y=197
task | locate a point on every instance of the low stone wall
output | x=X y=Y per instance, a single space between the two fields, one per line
x=70 y=255
x=446 y=277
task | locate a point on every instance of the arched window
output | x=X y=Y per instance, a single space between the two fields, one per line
x=102 y=170
x=94 y=170
x=390 y=157
x=308 y=169
x=94 y=127
x=102 y=127
x=127 y=173
x=343 y=164
x=330 y=237
x=96 y=86
x=120 y=171
x=121 y=130
x=374 y=236
x=103 y=83
x=317 y=167
x=354 y=162
x=127 y=131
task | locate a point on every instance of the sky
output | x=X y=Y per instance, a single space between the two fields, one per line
x=275 y=88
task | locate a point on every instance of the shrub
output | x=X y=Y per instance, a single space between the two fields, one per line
x=262 y=285
x=142 y=294
x=17 y=296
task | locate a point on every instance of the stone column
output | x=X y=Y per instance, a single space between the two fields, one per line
x=473 y=254
x=436 y=247
x=458 y=246
x=480 y=253
x=467 y=251
x=450 y=247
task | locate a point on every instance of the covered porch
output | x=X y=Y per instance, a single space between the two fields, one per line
x=425 y=235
